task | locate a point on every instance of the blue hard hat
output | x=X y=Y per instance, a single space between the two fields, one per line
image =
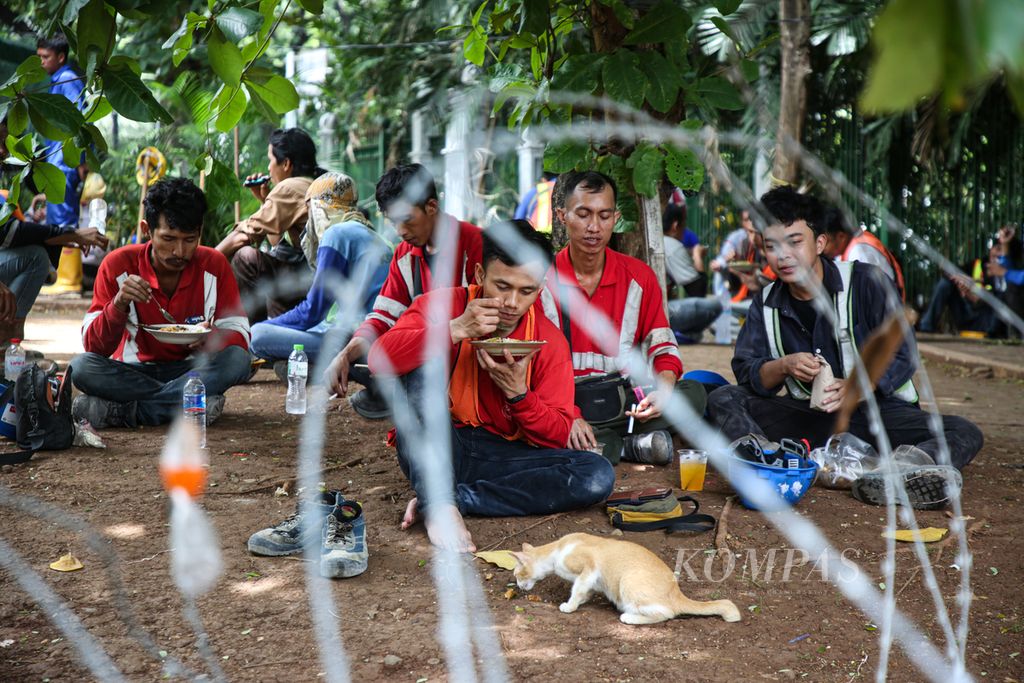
x=706 y=377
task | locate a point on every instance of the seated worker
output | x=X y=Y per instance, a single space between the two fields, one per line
x=272 y=282
x=1006 y=268
x=784 y=330
x=589 y=283
x=341 y=246
x=128 y=378
x=743 y=244
x=967 y=311
x=510 y=416
x=690 y=315
x=407 y=197
x=536 y=206
x=849 y=244
x=27 y=251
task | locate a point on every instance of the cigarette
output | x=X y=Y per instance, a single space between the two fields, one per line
x=629 y=429
x=332 y=397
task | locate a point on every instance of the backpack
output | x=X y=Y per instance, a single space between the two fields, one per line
x=43 y=411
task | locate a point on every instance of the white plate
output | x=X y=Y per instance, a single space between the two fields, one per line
x=187 y=334
x=517 y=348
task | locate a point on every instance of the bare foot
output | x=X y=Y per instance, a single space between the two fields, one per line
x=411 y=515
x=446 y=529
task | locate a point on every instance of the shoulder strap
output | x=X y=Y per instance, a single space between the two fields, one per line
x=844 y=330
x=417 y=278
x=694 y=521
x=15 y=457
x=563 y=308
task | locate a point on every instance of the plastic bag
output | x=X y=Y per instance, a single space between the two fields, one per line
x=825 y=378
x=85 y=435
x=844 y=459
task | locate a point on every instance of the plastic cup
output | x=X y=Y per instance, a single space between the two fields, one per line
x=693 y=464
x=598 y=449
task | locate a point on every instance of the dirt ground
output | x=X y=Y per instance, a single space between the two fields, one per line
x=258 y=614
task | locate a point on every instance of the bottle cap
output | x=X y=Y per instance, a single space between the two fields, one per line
x=192 y=373
x=15 y=341
x=298 y=347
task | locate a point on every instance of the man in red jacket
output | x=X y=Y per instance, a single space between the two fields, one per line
x=129 y=378
x=510 y=416
x=407 y=196
x=607 y=304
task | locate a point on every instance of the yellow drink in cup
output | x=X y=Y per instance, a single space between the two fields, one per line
x=692 y=466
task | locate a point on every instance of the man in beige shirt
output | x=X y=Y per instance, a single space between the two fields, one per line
x=272 y=282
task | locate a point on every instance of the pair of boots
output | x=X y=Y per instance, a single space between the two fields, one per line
x=339 y=525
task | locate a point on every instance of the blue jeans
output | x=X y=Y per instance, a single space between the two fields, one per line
x=965 y=315
x=494 y=477
x=690 y=316
x=275 y=342
x=156 y=388
x=24 y=270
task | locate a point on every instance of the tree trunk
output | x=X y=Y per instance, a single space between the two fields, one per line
x=795 y=32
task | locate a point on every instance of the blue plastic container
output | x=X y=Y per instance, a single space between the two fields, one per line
x=790 y=483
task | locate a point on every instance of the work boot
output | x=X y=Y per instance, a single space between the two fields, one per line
x=343 y=552
x=289 y=536
x=102 y=413
x=654 y=448
x=929 y=487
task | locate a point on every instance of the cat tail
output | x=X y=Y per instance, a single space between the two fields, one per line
x=722 y=608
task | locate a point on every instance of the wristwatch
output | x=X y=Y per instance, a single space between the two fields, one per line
x=516 y=399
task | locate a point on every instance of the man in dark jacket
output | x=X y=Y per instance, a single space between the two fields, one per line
x=785 y=338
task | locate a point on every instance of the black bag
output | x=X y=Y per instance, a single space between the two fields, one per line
x=602 y=398
x=44 y=414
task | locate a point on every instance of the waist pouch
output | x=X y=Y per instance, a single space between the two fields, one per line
x=602 y=398
x=653 y=509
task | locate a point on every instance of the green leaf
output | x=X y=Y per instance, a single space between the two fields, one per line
x=29 y=71
x=71 y=152
x=662 y=81
x=665 y=22
x=231 y=104
x=129 y=96
x=579 y=73
x=534 y=17
x=623 y=79
x=648 y=164
x=277 y=91
x=20 y=148
x=71 y=10
x=718 y=92
x=563 y=155
x=622 y=13
x=724 y=27
x=203 y=163
x=96 y=136
x=238 y=23
x=727 y=7
x=17 y=118
x=909 y=54
x=50 y=180
x=96 y=29
x=267 y=8
x=101 y=109
x=683 y=168
x=225 y=58
x=312 y=6
x=474 y=47
x=53 y=115
x=750 y=69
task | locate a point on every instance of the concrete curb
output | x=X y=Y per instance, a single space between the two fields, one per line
x=999 y=368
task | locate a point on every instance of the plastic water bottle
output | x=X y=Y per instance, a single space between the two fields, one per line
x=98 y=215
x=298 y=368
x=14 y=361
x=193 y=403
x=723 y=325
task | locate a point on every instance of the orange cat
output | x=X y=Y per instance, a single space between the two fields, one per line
x=631 y=576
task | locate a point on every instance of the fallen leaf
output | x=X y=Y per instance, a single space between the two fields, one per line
x=501 y=558
x=534 y=598
x=926 y=535
x=67 y=563
x=510 y=593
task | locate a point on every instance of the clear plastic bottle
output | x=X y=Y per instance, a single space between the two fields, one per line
x=298 y=369
x=98 y=215
x=193 y=403
x=14 y=361
x=723 y=325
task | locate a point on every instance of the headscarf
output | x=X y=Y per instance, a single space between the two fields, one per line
x=332 y=198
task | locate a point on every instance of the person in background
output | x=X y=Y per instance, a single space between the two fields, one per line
x=53 y=54
x=849 y=244
x=28 y=250
x=686 y=265
x=688 y=316
x=407 y=196
x=953 y=293
x=536 y=204
x=743 y=245
x=127 y=377
x=1007 y=268
x=343 y=249
x=272 y=282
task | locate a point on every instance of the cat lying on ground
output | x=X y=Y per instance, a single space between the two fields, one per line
x=631 y=576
